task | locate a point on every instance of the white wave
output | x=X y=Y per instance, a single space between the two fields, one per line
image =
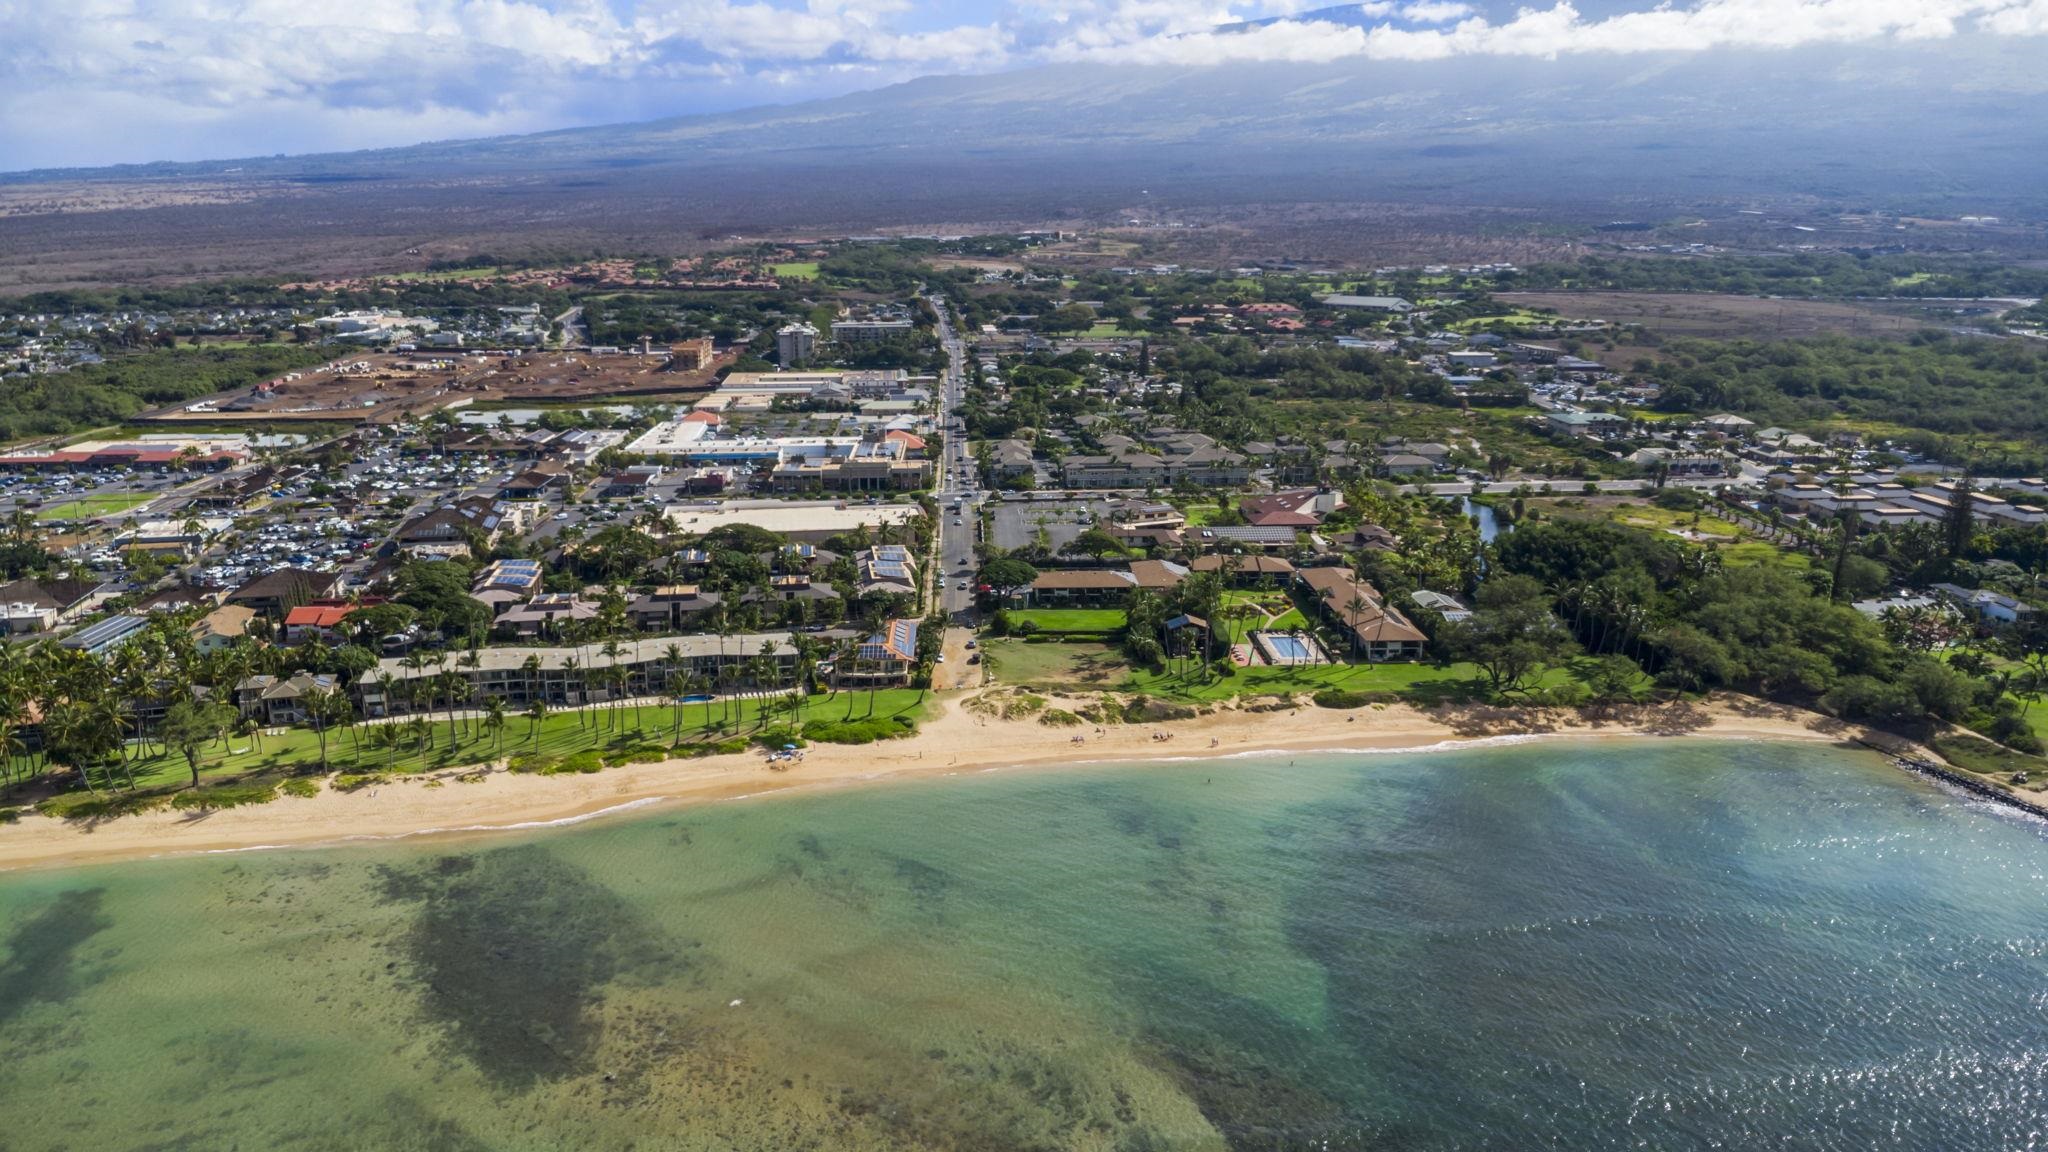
x=368 y=837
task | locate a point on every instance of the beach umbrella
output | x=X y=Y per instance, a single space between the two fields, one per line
x=789 y=747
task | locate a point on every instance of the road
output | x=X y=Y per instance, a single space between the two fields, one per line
x=573 y=335
x=956 y=531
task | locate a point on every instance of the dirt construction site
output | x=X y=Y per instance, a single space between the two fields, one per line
x=386 y=387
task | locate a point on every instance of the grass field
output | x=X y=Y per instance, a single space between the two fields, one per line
x=1666 y=519
x=1519 y=318
x=798 y=270
x=92 y=506
x=1087 y=667
x=1070 y=619
x=362 y=749
x=1284 y=616
x=1757 y=553
x=1071 y=664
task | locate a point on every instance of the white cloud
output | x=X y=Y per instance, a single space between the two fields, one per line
x=1435 y=11
x=311 y=74
x=1410 y=31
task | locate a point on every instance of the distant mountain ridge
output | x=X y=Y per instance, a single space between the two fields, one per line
x=1921 y=124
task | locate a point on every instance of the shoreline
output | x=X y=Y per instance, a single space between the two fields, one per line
x=444 y=807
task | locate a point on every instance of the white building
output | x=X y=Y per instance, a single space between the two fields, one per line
x=794 y=344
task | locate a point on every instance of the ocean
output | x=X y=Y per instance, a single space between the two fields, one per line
x=1662 y=945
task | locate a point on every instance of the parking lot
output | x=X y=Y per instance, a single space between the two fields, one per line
x=1020 y=523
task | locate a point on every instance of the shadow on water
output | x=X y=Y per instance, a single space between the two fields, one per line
x=42 y=965
x=510 y=953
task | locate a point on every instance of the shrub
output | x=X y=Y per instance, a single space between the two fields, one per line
x=9 y=815
x=774 y=738
x=1021 y=705
x=1341 y=698
x=718 y=748
x=1143 y=711
x=301 y=787
x=863 y=731
x=350 y=781
x=640 y=754
x=2012 y=730
x=529 y=762
x=586 y=762
x=1982 y=756
x=1059 y=718
x=226 y=796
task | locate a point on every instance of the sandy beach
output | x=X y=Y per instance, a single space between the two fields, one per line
x=956 y=740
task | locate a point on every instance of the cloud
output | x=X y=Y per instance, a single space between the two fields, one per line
x=190 y=77
x=1439 y=29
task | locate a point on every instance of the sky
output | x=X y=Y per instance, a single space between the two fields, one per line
x=90 y=82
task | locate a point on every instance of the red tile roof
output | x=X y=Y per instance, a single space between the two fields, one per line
x=317 y=616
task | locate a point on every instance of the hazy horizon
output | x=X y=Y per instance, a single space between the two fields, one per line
x=149 y=81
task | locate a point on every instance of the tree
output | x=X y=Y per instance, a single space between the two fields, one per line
x=494 y=721
x=536 y=714
x=190 y=725
x=1094 y=543
x=1956 y=525
x=325 y=707
x=1005 y=575
x=1511 y=634
x=1613 y=679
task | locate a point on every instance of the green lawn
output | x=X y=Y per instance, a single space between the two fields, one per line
x=1519 y=318
x=1655 y=518
x=1070 y=619
x=91 y=506
x=359 y=749
x=1285 y=616
x=1070 y=664
x=1087 y=667
x=1757 y=553
x=798 y=270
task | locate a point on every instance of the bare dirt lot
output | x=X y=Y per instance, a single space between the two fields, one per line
x=384 y=387
x=1721 y=317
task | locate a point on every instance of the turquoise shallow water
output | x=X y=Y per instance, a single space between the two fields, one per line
x=1655 y=945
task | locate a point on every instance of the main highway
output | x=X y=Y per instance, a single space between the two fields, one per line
x=956 y=484
x=958 y=513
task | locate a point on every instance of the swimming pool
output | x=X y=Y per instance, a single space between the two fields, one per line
x=698 y=699
x=1287 y=648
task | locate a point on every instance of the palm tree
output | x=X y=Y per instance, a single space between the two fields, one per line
x=324 y=707
x=457 y=688
x=1354 y=608
x=569 y=667
x=611 y=652
x=422 y=729
x=494 y=721
x=10 y=746
x=531 y=666
x=536 y=713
